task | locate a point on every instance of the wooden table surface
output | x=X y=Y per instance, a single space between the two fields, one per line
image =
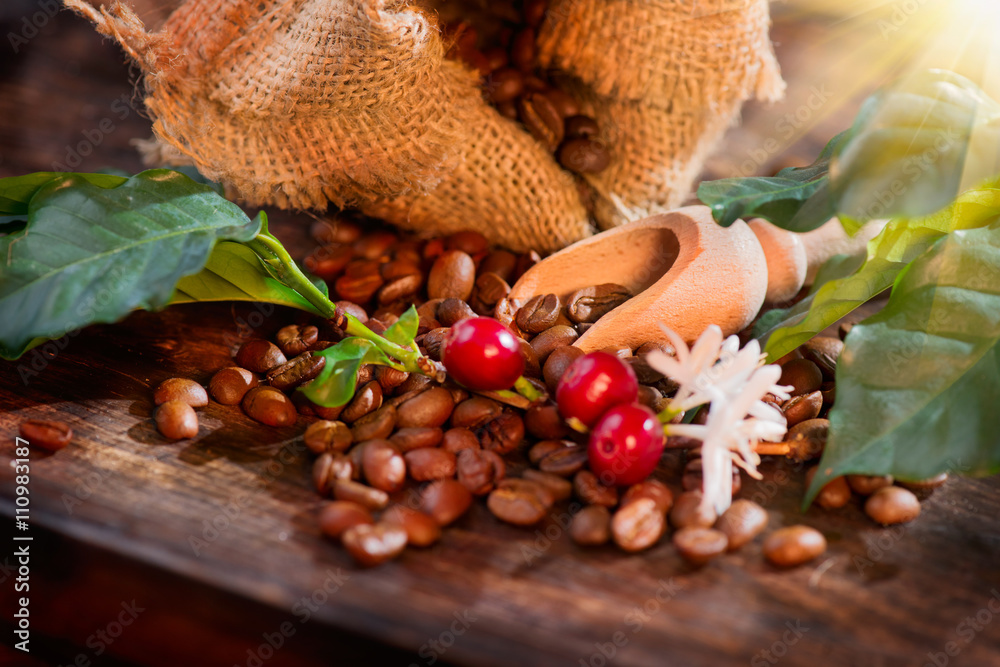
x=207 y=552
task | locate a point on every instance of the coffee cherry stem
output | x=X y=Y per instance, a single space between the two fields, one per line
x=272 y=253
x=528 y=390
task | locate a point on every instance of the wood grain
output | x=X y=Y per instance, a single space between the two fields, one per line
x=116 y=515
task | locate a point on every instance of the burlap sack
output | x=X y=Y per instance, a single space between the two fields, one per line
x=301 y=102
x=665 y=93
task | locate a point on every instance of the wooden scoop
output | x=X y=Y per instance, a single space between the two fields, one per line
x=685 y=271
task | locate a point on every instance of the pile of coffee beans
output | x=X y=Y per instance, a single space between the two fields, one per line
x=408 y=456
x=514 y=83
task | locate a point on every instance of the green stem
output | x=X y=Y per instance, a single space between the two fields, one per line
x=526 y=389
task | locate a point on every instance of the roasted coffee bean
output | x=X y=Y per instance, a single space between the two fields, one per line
x=520 y=502
x=865 y=485
x=592 y=303
x=503 y=433
x=389 y=378
x=581 y=127
x=620 y=351
x=55 y=435
x=399 y=289
x=584 y=156
x=453 y=274
x=539 y=313
x=797 y=409
x=383 y=466
x=565 y=462
x=337 y=516
x=479 y=470
x=802 y=375
x=457 y=439
x=542 y=449
x=844 y=329
x=505 y=312
x=824 y=351
x=591 y=526
x=328 y=262
x=294 y=339
x=700 y=545
x=359 y=288
x=416 y=437
x=366 y=400
x=375 y=425
x=372 y=545
x=564 y=103
x=650 y=397
x=807 y=439
x=429 y=408
x=532 y=368
x=638 y=525
x=504 y=85
x=468 y=241
x=499 y=262
x=428 y=315
x=558 y=487
x=374 y=499
x=542 y=119
x=229 y=385
x=295 y=371
x=421 y=529
x=453 y=310
x=354 y=309
x=331 y=467
x=269 y=406
x=475 y=412
x=548 y=340
x=644 y=373
x=522 y=50
x=834 y=494
x=545 y=423
x=590 y=490
x=924 y=486
x=558 y=362
x=692 y=478
x=793 y=545
x=689 y=510
x=743 y=521
x=892 y=504
x=259 y=356
x=496 y=58
x=433 y=342
x=183 y=390
x=401 y=268
x=533 y=12
x=488 y=291
x=653 y=489
x=176 y=420
x=377 y=326
x=429 y=463
x=374 y=245
x=445 y=500
x=327 y=436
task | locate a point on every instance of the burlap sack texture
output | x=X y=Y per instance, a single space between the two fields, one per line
x=301 y=102
x=665 y=93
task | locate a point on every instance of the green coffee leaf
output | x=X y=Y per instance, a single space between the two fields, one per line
x=404 y=330
x=795 y=199
x=889 y=253
x=95 y=249
x=918 y=383
x=335 y=384
x=233 y=272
